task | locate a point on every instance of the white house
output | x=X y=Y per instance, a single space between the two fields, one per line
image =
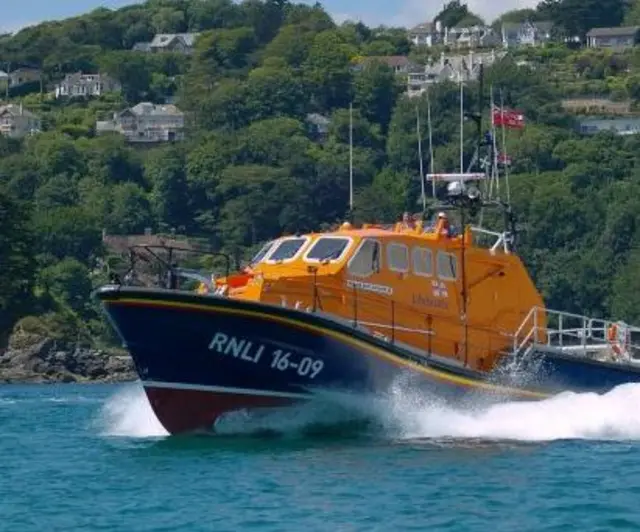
x=23 y=75
x=625 y=37
x=17 y=122
x=426 y=34
x=526 y=33
x=454 y=68
x=619 y=126
x=80 y=84
x=471 y=37
x=146 y=123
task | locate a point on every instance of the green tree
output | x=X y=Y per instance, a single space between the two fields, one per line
x=68 y=283
x=577 y=17
x=376 y=91
x=131 y=210
x=169 y=198
x=456 y=13
x=16 y=257
x=327 y=70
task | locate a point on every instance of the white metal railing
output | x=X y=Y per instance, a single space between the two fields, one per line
x=503 y=239
x=576 y=334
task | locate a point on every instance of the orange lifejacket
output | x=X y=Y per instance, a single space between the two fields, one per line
x=202 y=289
x=619 y=348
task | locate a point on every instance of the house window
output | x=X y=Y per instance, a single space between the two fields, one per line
x=367 y=260
x=447 y=266
x=423 y=262
x=287 y=249
x=330 y=249
x=398 y=257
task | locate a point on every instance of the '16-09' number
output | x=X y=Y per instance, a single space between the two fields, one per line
x=306 y=367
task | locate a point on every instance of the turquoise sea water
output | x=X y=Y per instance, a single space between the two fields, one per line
x=93 y=457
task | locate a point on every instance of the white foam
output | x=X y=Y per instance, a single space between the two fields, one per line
x=408 y=415
x=612 y=416
x=128 y=413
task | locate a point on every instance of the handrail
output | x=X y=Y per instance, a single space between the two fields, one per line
x=501 y=239
x=575 y=333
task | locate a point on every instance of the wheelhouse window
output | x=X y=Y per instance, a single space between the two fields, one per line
x=447 y=265
x=367 y=259
x=423 y=262
x=328 y=249
x=286 y=249
x=398 y=257
x=258 y=257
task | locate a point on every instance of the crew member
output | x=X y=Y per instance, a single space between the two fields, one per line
x=442 y=226
x=405 y=223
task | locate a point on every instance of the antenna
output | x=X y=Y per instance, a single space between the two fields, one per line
x=351 y=156
x=422 y=190
x=431 y=159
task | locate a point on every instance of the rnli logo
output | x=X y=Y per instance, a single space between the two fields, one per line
x=439 y=289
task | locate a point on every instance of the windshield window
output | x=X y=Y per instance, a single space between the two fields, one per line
x=262 y=253
x=287 y=249
x=328 y=248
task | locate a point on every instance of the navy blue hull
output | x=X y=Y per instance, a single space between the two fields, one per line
x=199 y=357
x=564 y=372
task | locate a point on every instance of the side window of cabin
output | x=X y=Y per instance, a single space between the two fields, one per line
x=447 y=266
x=398 y=257
x=367 y=259
x=423 y=262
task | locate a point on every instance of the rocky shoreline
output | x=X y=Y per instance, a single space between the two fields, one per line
x=31 y=358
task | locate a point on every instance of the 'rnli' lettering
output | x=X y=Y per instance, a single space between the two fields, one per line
x=237 y=348
x=281 y=361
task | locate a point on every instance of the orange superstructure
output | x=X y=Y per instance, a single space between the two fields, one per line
x=441 y=294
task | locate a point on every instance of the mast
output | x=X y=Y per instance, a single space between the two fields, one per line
x=351 y=157
x=422 y=188
x=504 y=149
x=461 y=125
x=463 y=222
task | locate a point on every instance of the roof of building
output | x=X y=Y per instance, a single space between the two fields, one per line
x=25 y=69
x=425 y=27
x=142 y=47
x=80 y=79
x=390 y=60
x=16 y=110
x=161 y=40
x=543 y=25
x=613 y=32
x=318 y=119
x=147 y=109
x=3 y=74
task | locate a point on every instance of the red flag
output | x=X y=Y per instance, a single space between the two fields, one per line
x=504 y=159
x=508 y=118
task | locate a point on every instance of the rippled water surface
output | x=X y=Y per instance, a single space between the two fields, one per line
x=94 y=458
